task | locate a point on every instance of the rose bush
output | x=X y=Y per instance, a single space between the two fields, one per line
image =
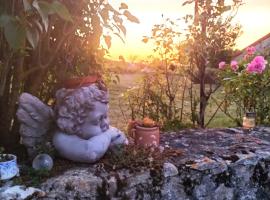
x=246 y=85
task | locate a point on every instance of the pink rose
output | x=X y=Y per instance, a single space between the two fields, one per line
x=257 y=65
x=222 y=65
x=234 y=65
x=251 y=50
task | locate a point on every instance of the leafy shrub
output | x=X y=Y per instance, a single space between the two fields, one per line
x=31 y=177
x=246 y=84
x=152 y=98
x=176 y=124
x=161 y=93
x=136 y=158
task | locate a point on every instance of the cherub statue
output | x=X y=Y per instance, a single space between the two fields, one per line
x=78 y=125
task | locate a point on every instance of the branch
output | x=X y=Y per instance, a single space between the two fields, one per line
x=212 y=117
x=30 y=71
x=121 y=109
x=226 y=113
x=4 y=74
x=213 y=91
x=59 y=45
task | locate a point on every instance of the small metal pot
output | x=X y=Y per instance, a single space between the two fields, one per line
x=8 y=169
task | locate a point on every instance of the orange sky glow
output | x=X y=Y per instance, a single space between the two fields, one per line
x=254 y=16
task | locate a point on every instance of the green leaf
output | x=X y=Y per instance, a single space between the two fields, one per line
x=105 y=15
x=123 y=6
x=131 y=17
x=187 y=2
x=38 y=25
x=110 y=8
x=117 y=19
x=119 y=36
x=15 y=34
x=61 y=11
x=227 y=8
x=122 y=28
x=4 y=19
x=44 y=9
x=32 y=36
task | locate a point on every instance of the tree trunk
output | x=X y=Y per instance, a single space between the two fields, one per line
x=4 y=126
x=203 y=104
x=183 y=99
x=203 y=97
x=202 y=67
x=13 y=133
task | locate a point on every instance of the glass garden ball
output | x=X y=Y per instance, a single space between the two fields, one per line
x=42 y=162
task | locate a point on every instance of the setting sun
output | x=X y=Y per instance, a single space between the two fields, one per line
x=252 y=15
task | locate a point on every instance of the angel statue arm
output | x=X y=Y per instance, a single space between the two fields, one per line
x=88 y=151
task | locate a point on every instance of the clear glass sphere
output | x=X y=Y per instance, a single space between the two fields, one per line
x=42 y=162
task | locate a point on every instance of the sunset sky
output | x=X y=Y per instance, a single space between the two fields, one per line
x=254 y=16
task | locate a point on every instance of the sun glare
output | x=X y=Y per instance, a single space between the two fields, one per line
x=252 y=16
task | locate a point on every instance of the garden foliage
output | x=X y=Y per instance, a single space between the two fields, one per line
x=210 y=35
x=164 y=86
x=246 y=85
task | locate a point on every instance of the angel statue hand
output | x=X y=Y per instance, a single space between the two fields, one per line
x=77 y=149
x=118 y=137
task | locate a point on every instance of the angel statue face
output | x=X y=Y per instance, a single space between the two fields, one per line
x=96 y=122
x=82 y=112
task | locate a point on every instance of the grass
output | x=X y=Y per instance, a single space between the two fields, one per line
x=119 y=112
x=117 y=108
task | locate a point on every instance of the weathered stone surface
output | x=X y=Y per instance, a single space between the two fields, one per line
x=75 y=183
x=217 y=164
x=19 y=192
x=223 y=192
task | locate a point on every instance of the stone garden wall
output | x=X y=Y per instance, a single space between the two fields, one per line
x=215 y=164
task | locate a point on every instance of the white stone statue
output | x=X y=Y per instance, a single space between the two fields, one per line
x=78 y=125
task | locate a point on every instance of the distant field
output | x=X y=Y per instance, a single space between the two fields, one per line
x=129 y=80
x=115 y=90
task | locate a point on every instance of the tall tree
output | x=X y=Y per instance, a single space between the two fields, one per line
x=211 y=31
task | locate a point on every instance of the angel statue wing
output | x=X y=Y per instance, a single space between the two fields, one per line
x=36 y=120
